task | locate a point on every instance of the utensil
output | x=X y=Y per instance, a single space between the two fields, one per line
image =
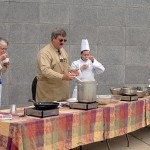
x=44 y=105
x=78 y=79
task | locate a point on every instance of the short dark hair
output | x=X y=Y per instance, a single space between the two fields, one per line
x=2 y=39
x=57 y=32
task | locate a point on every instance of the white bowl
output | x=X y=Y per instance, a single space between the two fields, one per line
x=115 y=98
x=103 y=99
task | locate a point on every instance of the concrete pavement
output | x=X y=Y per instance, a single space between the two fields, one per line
x=138 y=140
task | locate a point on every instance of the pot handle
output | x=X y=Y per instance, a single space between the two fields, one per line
x=30 y=100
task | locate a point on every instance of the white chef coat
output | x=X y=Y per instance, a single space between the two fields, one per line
x=87 y=74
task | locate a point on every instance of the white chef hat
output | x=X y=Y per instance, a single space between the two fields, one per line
x=85 y=45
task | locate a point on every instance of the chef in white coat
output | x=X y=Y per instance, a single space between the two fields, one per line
x=87 y=65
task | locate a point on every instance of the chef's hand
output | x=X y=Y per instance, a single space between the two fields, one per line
x=69 y=76
x=3 y=57
x=84 y=66
x=91 y=58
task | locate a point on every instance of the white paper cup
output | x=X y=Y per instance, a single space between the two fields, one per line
x=6 y=60
x=13 y=109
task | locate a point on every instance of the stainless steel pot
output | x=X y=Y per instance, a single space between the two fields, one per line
x=129 y=91
x=140 y=94
x=144 y=89
x=115 y=91
x=86 y=91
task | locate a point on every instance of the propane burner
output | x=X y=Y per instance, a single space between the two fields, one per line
x=84 y=105
x=41 y=113
x=129 y=97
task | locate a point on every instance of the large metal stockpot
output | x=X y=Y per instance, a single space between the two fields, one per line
x=86 y=91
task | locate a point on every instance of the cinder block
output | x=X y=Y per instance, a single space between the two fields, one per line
x=137 y=36
x=137 y=55
x=111 y=55
x=105 y=2
x=52 y=13
x=23 y=13
x=113 y=75
x=78 y=32
x=138 y=74
x=4 y=6
x=83 y=15
x=111 y=16
x=4 y=30
x=111 y=36
x=138 y=17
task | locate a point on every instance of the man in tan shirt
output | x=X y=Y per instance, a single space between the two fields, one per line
x=53 y=70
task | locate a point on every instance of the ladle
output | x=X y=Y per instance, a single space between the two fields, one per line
x=78 y=79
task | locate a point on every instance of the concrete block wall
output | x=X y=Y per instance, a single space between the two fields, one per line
x=118 y=32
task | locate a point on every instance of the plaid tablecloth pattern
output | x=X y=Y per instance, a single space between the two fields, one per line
x=74 y=127
x=147 y=107
x=68 y=130
x=136 y=115
x=115 y=120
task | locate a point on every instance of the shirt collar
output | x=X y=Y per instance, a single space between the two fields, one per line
x=51 y=44
x=83 y=60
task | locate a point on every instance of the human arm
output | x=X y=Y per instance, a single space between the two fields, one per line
x=98 y=67
x=4 y=62
x=46 y=64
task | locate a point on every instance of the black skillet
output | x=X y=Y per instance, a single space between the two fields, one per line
x=44 y=105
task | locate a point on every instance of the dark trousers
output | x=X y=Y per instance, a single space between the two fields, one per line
x=34 y=83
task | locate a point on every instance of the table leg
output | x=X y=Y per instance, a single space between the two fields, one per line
x=80 y=147
x=127 y=140
x=108 y=144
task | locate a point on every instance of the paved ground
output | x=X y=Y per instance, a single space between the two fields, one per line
x=138 y=140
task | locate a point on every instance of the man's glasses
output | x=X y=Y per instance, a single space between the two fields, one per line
x=3 y=49
x=62 y=40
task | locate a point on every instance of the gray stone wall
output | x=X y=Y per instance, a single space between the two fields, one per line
x=118 y=32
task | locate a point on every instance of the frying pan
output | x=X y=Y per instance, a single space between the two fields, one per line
x=44 y=105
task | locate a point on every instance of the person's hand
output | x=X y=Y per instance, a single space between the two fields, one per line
x=84 y=66
x=68 y=76
x=3 y=57
x=75 y=71
x=6 y=64
x=91 y=58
